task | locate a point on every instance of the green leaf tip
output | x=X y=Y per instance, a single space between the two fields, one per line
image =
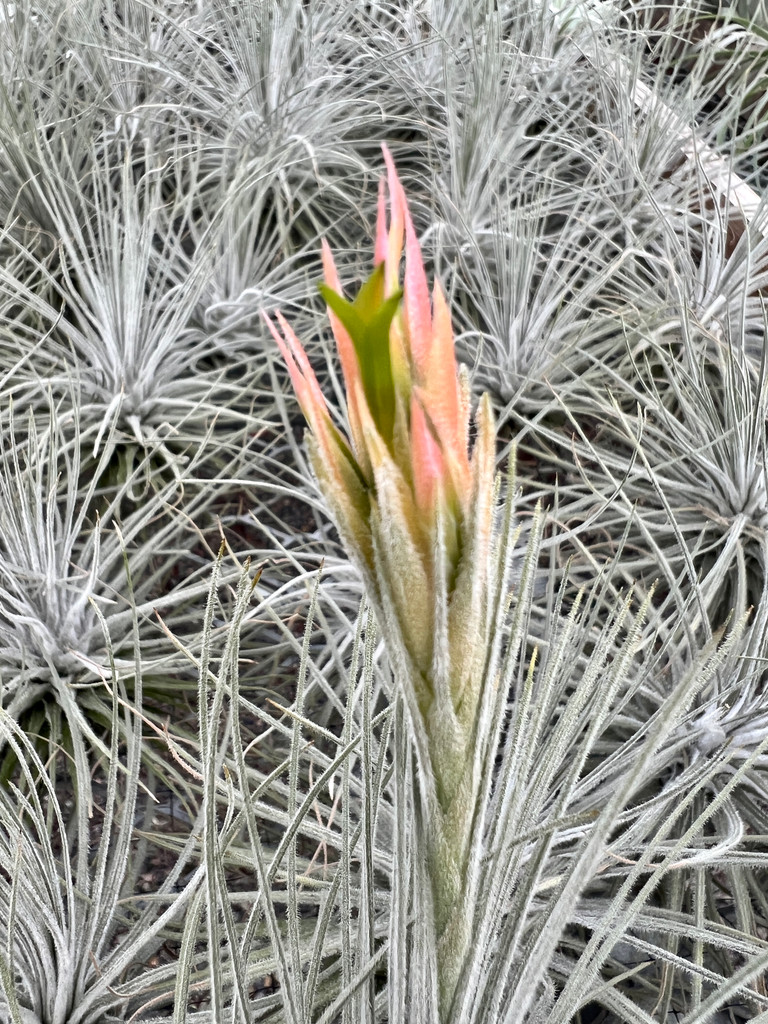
x=367 y=320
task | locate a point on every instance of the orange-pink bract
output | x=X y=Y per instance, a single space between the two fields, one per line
x=410 y=394
x=413 y=510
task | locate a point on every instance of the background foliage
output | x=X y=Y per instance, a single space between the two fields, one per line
x=206 y=780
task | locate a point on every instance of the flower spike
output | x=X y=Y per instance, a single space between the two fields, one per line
x=416 y=515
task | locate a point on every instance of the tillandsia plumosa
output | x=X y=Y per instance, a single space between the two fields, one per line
x=417 y=513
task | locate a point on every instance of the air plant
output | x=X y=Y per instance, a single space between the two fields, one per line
x=416 y=512
x=542 y=816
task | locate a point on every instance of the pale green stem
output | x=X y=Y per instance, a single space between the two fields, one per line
x=448 y=849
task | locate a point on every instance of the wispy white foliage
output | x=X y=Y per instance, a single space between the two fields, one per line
x=168 y=169
x=72 y=927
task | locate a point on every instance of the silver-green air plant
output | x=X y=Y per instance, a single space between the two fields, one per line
x=416 y=512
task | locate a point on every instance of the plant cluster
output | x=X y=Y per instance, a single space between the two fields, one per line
x=452 y=709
